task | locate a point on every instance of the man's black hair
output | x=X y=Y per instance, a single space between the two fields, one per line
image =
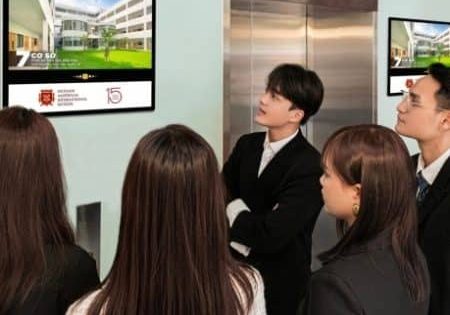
x=441 y=74
x=301 y=86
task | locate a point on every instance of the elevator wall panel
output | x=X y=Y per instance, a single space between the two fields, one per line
x=341 y=49
x=264 y=33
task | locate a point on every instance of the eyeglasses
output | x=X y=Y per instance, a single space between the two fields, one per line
x=412 y=103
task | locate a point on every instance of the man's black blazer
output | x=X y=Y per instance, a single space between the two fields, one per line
x=365 y=280
x=434 y=238
x=284 y=204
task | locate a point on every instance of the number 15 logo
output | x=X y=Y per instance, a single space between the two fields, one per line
x=114 y=95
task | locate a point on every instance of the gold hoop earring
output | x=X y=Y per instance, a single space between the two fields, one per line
x=355 y=209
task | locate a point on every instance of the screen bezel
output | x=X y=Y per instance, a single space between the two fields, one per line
x=404 y=71
x=10 y=77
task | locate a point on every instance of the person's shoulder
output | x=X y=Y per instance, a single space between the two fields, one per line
x=81 y=306
x=249 y=142
x=80 y=270
x=258 y=306
x=69 y=256
x=328 y=273
x=306 y=159
x=343 y=267
x=77 y=255
x=252 y=137
x=306 y=151
x=255 y=278
x=337 y=275
x=251 y=274
x=312 y=151
x=360 y=264
x=329 y=286
x=334 y=268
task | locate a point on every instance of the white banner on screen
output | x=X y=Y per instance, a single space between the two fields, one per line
x=402 y=83
x=69 y=97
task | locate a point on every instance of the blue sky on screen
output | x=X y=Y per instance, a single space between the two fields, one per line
x=89 y=5
x=108 y=3
x=432 y=29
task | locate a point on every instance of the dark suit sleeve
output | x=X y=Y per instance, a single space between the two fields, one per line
x=299 y=202
x=329 y=294
x=80 y=278
x=445 y=292
x=230 y=171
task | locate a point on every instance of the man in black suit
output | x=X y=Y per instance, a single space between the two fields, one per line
x=424 y=115
x=273 y=183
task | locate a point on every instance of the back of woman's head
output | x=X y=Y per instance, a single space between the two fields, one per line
x=172 y=255
x=376 y=158
x=32 y=200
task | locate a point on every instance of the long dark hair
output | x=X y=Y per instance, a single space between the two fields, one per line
x=377 y=158
x=32 y=202
x=172 y=256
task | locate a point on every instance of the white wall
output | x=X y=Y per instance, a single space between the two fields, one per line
x=438 y=10
x=96 y=148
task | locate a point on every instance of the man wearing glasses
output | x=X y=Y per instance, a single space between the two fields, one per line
x=424 y=115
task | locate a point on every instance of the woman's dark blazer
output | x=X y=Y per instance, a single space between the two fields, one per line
x=366 y=280
x=62 y=285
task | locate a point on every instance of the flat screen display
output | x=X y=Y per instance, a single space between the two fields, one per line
x=79 y=56
x=413 y=46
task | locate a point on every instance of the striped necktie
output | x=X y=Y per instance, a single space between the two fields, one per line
x=422 y=186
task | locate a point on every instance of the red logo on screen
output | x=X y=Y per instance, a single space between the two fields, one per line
x=46 y=97
x=409 y=83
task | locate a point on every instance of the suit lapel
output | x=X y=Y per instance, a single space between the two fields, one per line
x=281 y=159
x=253 y=157
x=438 y=190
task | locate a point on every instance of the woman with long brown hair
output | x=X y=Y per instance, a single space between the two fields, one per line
x=377 y=266
x=172 y=256
x=42 y=271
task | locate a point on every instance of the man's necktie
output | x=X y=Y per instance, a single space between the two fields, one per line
x=422 y=186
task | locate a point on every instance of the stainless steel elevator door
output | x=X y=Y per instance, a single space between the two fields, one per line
x=341 y=49
x=278 y=36
x=264 y=33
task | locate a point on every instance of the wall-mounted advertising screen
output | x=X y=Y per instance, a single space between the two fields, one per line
x=79 y=56
x=413 y=46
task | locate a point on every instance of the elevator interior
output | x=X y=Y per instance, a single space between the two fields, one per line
x=334 y=38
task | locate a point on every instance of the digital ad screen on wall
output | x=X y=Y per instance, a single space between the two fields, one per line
x=79 y=56
x=413 y=46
